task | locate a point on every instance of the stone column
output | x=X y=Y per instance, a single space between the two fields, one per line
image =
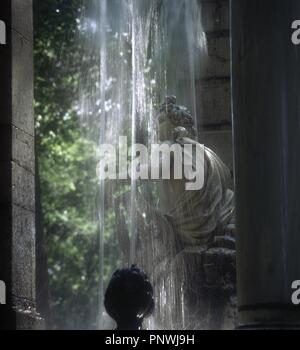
x=17 y=190
x=266 y=114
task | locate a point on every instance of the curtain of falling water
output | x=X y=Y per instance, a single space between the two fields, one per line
x=136 y=53
x=102 y=140
x=137 y=78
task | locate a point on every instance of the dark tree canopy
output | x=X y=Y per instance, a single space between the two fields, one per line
x=67 y=177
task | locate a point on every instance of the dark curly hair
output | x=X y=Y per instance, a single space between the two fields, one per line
x=129 y=298
x=178 y=115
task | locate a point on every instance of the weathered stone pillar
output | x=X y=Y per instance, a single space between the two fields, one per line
x=266 y=113
x=17 y=190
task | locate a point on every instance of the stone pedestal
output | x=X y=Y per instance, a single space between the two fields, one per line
x=210 y=287
x=17 y=189
x=266 y=113
x=197 y=288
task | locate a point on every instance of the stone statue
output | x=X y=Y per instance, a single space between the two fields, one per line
x=196 y=216
x=186 y=241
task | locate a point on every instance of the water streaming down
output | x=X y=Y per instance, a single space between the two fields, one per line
x=135 y=53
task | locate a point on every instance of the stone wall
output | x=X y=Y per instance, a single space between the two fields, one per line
x=17 y=175
x=213 y=89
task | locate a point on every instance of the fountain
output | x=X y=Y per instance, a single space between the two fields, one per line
x=136 y=52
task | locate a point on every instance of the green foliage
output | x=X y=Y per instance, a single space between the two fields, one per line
x=66 y=169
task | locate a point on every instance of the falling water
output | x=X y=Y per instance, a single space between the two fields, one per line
x=135 y=53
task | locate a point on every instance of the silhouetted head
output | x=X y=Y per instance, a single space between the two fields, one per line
x=129 y=298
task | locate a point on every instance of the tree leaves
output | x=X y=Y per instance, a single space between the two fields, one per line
x=66 y=163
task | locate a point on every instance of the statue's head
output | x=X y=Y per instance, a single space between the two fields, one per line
x=172 y=116
x=129 y=298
